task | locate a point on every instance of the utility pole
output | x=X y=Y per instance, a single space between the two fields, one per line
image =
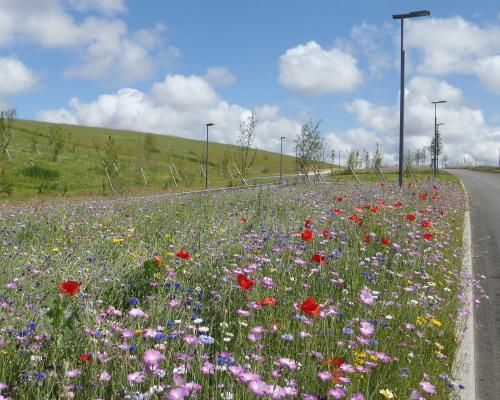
x=281 y=158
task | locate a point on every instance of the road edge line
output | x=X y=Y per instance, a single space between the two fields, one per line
x=464 y=365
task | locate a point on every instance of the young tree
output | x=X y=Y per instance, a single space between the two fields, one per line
x=353 y=158
x=112 y=152
x=245 y=153
x=308 y=147
x=6 y=133
x=149 y=146
x=366 y=158
x=57 y=141
x=436 y=150
x=332 y=155
x=377 y=157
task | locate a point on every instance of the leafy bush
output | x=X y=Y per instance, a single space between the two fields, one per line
x=36 y=171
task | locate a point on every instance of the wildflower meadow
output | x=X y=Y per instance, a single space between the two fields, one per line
x=325 y=291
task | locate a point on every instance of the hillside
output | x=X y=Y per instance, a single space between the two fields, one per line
x=78 y=169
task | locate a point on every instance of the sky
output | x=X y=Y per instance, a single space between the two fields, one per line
x=172 y=66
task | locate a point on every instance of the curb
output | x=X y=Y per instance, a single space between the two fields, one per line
x=464 y=366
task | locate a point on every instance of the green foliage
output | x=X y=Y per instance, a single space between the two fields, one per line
x=308 y=148
x=6 y=185
x=245 y=154
x=149 y=146
x=37 y=171
x=377 y=157
x=61 y=314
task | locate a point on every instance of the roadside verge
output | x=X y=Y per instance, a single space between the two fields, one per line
x=464 y=367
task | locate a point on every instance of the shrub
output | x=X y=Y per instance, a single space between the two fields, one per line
x=36 y=171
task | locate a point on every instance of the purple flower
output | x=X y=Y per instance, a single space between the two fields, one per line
x=260 y=388
x=428 y=387
x=105 y=376
x=337 y=392
x=152 y=357
x=136 y=377
x=324 y=375
x=178 y=393
x=137 y=312
x=73 y=373
x=367 y=328
x=366 y=296
x=357 y=396
x=287 y=362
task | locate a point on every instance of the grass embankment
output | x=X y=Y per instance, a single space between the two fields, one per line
x=231 y=320
x=79 y=171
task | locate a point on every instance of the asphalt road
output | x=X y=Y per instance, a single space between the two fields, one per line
x=483 y=189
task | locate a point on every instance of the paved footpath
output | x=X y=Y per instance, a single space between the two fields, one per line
x=483 y=189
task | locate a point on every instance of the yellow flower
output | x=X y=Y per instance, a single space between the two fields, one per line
x=387 y=393
x=167 y=235
x=138 y=331
x=409 y=281
x=55 y=249
x=420 y=320
x=169 y=254
x=439 y=346
x=436 y=322
x=118 y=240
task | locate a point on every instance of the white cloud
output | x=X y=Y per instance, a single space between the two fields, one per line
x=465 y=130
x=107 y=7
x=219 y=76
x=15 y=77
x=108 y=50
x=179 y=105
x=310 y=69
x=463 y=47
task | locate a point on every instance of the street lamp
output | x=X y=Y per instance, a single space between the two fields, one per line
x=340 y=151
x=436 y=132
x=436 y=145
x=402 y=17
x=206 y=157
x=281 y=158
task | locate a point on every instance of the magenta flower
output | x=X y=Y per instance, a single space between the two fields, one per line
x=260 y=388
x=366 y=296
x=428 y=387
x=357 y=396
x=152 y=357
x=287 y=362
x=178 y=393
x=337 y=392
x=136 y=377
x=367 y=328
x=324 y=375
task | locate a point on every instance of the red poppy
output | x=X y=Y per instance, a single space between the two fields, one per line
x=326 y=233
x=157 y=259
x=266 y=301
x=85 y=357
x=353 y=217
x=422 y=195
x=397 y=204
x=243 y=220
x=338 y=198
x=308 y=223
x=426 y=224
x=183 y=254
x=411 y=217
x=373 y=209
x=385 y=241
x=307 y=234
x=244 y=282
x=318 y=258
x=310 y=306
x=69 y=287
x=382 y=184
x=338 y=211
x=337 y=361
x=427 y=236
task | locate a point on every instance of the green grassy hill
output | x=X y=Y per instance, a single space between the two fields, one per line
x=78 y=170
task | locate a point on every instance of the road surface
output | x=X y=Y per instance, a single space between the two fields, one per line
x=483 y=189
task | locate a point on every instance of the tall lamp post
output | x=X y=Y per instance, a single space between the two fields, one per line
x=206 y=157
x=436 y=132
x=281 y=158
x=436 y=146
x=402 y=17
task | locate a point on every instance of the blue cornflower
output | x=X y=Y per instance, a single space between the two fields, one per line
x=159 y=336
x=347 y=331
x=287 y=337
x=206 y=339
x=134 y=300
x=132 y=347
x=31 y=325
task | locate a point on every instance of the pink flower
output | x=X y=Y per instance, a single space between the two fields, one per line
x=245 y=377
x=260 y=388
x=357 y=396
x=338 y=392
x=287 y=362
x=367 y=328
x=268 y=282
x=324 y=375
x=178 y=393
x=105 y=376
x=366 y=296
x=428 y=387
x=152 y=357
x=136 y=377
x=73 y=373
x=137 y=312
x=3 y=386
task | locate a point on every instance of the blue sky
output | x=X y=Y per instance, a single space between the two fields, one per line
x=169 y=66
